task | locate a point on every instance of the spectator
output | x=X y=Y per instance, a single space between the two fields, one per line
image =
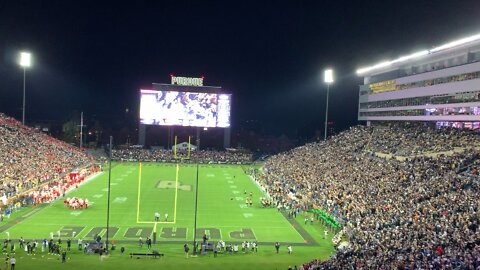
x=203 y=156
x=417 y=208
x=29 y=158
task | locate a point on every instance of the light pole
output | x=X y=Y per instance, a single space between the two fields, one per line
x=328 y=79
x=81 y=129
x=109 y=187
x=25 y=62
x=195 y=220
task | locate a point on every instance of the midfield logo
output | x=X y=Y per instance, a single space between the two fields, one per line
x=171 y=185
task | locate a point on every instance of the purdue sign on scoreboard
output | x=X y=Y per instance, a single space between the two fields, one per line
x=187 y=81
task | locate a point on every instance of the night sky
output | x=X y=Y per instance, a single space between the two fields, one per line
x=269 y=54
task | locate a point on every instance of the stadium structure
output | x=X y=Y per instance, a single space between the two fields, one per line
x=185 y=107
x=439 y=86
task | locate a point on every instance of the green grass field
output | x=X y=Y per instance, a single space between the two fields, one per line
x=140 y=190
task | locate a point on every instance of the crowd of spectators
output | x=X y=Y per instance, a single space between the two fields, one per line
x=29 y=157
x=162 y=155
x=417 y=139
x=416 y=213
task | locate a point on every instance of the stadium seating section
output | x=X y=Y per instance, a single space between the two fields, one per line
x=203 y=156
x=417 y=207
x=29 y=157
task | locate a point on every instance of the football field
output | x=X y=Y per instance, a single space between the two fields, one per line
x=139 y=190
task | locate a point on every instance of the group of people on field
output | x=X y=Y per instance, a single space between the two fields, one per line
x=76 y=203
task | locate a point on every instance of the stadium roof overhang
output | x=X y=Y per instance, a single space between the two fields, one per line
x=417 y=55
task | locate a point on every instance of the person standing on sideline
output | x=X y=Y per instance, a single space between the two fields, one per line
x=325 y=233
x=186 y=249
x=157 y=216
x=140 y=242
x=277 y=246
x=22 y=242
x=166 y=216
x=215 y=251
x=289 y=249
x=7 y=261
x=12 y=263
x=149 y=243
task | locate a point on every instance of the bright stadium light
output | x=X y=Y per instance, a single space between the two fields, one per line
x=455 y=43
x=421 y=53
x=380 y=65
x=411 y=56
x=25 y=62
x=328 y=79
x=25 y=59
x=328 y=76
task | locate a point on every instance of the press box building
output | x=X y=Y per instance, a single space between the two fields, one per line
x=439 y=86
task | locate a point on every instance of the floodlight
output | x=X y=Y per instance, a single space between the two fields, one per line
x=25 y=59
x=328 y=76
x=421 y=53
x=328 y=79
x=25 y=62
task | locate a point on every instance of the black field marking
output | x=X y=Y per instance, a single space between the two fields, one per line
x=172 y=185
x=263 y=245
x=212 y=233
x=306 y=236
x=136 y=232
x=178 y=233
x=102 y=231
x=67 y=231
x=180 y=236
x=244 y=234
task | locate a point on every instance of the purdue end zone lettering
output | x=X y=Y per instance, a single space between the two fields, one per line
x=165 y=232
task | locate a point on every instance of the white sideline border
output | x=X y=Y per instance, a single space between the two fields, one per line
x=87 y=180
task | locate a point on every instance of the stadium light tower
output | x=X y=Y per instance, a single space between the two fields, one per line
x=328 y=79
x=25 y=62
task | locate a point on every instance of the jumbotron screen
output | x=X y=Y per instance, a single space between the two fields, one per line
x=174 y=108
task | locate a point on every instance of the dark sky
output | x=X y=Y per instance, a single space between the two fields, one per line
x=269 y=54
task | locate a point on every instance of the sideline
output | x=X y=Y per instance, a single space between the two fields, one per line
x=264 y=191
x=13 y=221
x=303 y=233
x=309 y=240
x=37 y=209
x=87 y=180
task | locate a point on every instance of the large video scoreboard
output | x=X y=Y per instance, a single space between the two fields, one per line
x=184 y=108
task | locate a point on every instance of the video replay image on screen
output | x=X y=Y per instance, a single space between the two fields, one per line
x=173 y=108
